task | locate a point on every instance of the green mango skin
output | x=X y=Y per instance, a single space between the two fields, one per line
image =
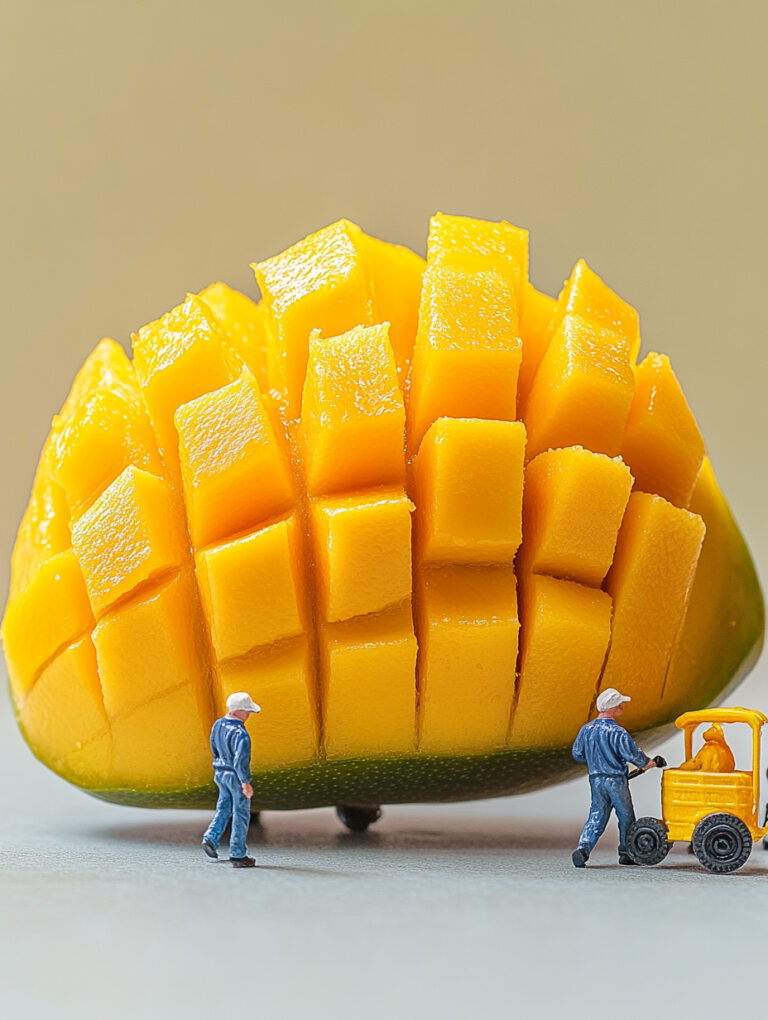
x=720 y=642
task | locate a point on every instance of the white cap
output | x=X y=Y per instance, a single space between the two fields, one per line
x=610 y=698
x=241 y=702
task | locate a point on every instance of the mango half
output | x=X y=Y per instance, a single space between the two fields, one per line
x=422 y=512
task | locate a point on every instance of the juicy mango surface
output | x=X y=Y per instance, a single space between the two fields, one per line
x=421 y=511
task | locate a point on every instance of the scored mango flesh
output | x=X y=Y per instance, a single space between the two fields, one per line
x=422 y=512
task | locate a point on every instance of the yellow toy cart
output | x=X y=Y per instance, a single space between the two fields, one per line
x=716 y=812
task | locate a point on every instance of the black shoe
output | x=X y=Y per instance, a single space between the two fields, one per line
x=210 y=849
x=242 y=862
x=626 y=859
x=580 y=856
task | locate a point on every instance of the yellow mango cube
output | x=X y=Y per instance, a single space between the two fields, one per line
x=103 y=428
x=352 y=430
x=281 y=681
x=64 y=711
x=584 y=294
x=662 y=443
x=535 y=335
x=394 y=280
x=319 y=283
x=163 y=745
x=244 y=324
x=467 y=354
x=233 y=469
x=565 y=630
x=51 y=612
x=131 y=533
x=362 y=552
x=368 y=669
x=657 y=552
x=480 y=244
x=148 y=647
x=252 y=588
x=468 y=632
x=572 y=511
x=177 y=358
x=582 y=392
x=468 y=478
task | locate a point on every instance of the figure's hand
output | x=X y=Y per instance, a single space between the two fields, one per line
x=248 y=790
x=651 y=765
x=661 y=763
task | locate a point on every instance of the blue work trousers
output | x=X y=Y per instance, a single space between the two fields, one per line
x=608 y=793
x=232 y=801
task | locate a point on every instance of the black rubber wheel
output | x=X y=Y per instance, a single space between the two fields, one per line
x=722 y=843
x=647 y=841
x=357 y=819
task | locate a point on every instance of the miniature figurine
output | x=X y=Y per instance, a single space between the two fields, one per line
x=231 y=747
x=715 y=811
x=607 y=748
x=714 y=756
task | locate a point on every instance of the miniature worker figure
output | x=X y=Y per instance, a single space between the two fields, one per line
x=231 y=748
x=715 y=754
x=607 y=748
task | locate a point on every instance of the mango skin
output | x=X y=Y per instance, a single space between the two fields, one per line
x=720 y=643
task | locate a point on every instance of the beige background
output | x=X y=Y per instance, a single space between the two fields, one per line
x=149 y=148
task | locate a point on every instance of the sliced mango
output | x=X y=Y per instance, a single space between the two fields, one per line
x=535 y=334
x=584 y=294
x=565 y=630
x=352 y=414
x=232 y=466
x=662 y=443
x=244 y=323
x=573 y=507
x=467 y=354
x=130 y=534
x=583 y=390
x=362 y=550
x=252 y=589
x=657 y=551
x=468 y=484
x=468 y=630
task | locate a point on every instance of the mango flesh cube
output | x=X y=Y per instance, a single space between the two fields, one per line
x=163 y=745
x=657 y=553
x=468 y=631
x=362 y=551
x=131 y=533
x=352 y=416
x=243 y=323
x=319 y=283
x=252 y=589
x=662 y=443
x=44 y=529
x=394 y=278
x=177 y=358
x=535 y=335
x=572 y=511
x=64 y=710
x=584 y=294
x=369 y=685
x=233 y=469
x=103 y=428
x=468 y=478
x=467 y=354
x=148 y=647
x=480 y=244
x=281 y=681
x=50 y=613
x=565 y=632
x=582 y=392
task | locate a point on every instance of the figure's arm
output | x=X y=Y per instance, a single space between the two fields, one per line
x=242 y=761
x=632 y=754
x=578 y=749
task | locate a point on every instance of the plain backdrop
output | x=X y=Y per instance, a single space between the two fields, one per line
x=150 y=148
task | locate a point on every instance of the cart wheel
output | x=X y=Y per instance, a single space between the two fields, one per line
x=647 y=841
x=722 y=843
x=357 y=819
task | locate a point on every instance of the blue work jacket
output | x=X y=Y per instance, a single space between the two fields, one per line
x=231 y=748
x=606 y=748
